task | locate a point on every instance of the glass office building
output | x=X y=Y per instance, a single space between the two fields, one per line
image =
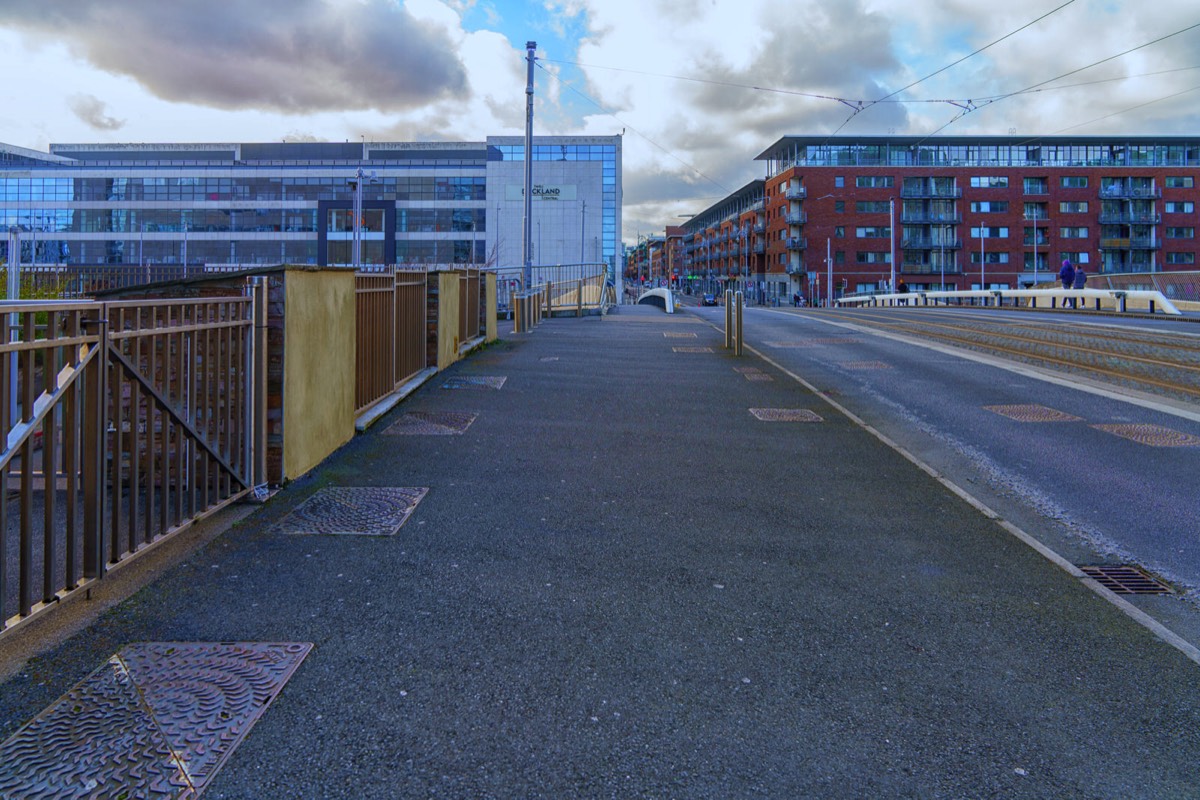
x=423 y=203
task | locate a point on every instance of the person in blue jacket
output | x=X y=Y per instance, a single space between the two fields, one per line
x=1067 y=274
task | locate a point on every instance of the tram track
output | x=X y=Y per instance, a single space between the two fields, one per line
x=1163 y=364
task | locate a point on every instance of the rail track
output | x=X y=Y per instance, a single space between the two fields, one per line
x=1166 y=364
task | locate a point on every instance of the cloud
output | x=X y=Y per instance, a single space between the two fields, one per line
x=93 y=112
x=290 y=56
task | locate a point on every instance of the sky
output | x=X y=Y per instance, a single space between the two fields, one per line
x=697 y=87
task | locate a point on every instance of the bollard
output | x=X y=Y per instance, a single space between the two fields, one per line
x=729 y=318
x=579 y=299
x=738 y=349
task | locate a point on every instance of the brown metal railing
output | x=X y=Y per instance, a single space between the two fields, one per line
x=469 y=284
x=125 y=422
x=390 y=332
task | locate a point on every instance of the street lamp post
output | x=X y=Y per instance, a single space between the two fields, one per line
x=892 y=241
x=828 y=275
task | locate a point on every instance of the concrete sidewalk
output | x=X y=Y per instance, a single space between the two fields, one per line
x=622 y=583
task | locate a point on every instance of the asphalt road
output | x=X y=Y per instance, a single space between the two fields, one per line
x=621 y=583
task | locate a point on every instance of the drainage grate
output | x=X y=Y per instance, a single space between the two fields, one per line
x=785 y=415
x=1152 y=435
x=432 y=423
x=1124 y=579
x=475 y=382
x=1031 y=413
x=691 y=349
x=158 y=720
x=353 y=511
x=864 y=365
x=674 y=335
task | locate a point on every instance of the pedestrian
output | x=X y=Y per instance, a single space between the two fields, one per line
x=1078 y=282
x=796 y=299
x=1066 y=274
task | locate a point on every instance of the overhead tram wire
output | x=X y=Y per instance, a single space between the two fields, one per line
x=972 y=106
x=1126 y=110
x=887 y=97
x=625 y=124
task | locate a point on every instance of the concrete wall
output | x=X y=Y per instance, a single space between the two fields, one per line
x=319 y=364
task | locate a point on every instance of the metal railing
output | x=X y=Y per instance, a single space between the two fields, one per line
x=390 y=315
x=469 y=285
x=125 y=422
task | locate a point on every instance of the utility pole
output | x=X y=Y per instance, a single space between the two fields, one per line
x=527 y=244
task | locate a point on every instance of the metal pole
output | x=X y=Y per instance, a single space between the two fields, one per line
x=582 y=225
x=828 y=275
x=982 y=260
x=892 y=242
x=14 y=319
x=527 y=244
x=185 y=233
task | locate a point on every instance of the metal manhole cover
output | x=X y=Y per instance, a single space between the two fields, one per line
x=353 y=511
x=1124 y=579
x=1031 y=413
x=432 y=423
x=864 y=365
x=786 y=415
x=691 y=349
x=157 y=720
x=475 y=382
x=1152 y=435
x=675 y=335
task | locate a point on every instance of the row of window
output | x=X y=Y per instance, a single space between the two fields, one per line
x=877 y=232
x=1030 y=185
x=904 y=153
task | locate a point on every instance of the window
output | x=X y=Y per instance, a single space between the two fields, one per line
x=873 y=182
x=989 y=233
x=1036 y=211
x=873 y=258
x=1180 y=207
x=839 y=232
x=839 y=206
x=1181 y=258
x=874 y=232
x=839 y=256
x=1067 y=207
x=1184 y=182
x=839 y=181
x=1181 y=233
x=990 y=258
x=872 y=207
x=990 y=207
x=1077 y=259
x=989 y=182
x=1073 y=233
x=1036 y=186
x=1074 y=182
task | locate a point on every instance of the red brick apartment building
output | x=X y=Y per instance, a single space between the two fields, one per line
x=963 y=212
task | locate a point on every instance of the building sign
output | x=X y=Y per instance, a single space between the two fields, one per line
x=541 y=191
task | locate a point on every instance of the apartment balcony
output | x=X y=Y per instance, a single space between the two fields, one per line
x=795 y=269
x=796 y=218
x=1027 y=242
x=760 y=227
x=796 y=193
x=759 y=249
x=1122 y=192
x=930 y=269
x=1130 y=219
x=797 y=243
x=931 y=192
x=929 y=243
x=928 y=218
x=1131 y=243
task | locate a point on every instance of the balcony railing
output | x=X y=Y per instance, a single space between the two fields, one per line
x=760 y=227
x=927 y=218
x=796 y=193
x=759 y=249
x=934 y=192
x=925 y=243
x=1130 y=219
x=796 y=218
x=1121 y=191
x=797 y=243
x=1131 y=243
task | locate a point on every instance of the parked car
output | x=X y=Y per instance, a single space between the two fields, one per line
x=709 y=299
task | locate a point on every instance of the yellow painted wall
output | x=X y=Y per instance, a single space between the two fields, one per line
x=492 y=331
x=319 y=366
x=448 y=318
